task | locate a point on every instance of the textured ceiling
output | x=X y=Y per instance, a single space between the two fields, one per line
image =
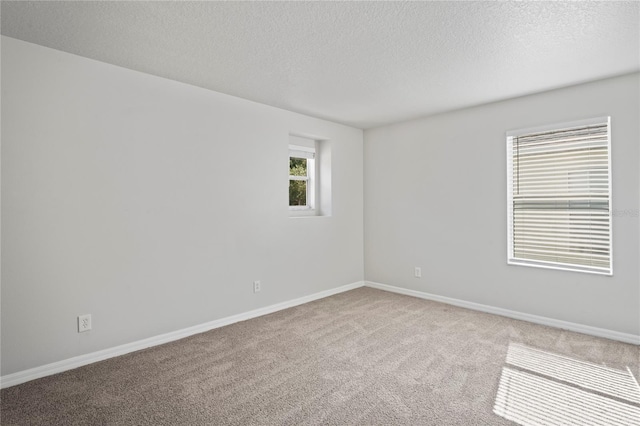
x=360 y=63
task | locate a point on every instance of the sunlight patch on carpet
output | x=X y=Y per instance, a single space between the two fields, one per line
x=542 y=388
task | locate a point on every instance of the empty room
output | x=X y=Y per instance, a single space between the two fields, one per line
x=320 y=213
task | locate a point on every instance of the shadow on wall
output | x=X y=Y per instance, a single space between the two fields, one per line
x=543 y=388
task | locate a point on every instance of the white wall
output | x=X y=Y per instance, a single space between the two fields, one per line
x=435 y=197
x=152 y=205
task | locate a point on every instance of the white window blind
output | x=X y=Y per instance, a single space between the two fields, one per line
x=301 y=152
x=559 y=197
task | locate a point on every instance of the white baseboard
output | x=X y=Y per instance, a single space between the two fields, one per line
x=78 y=361
x=565 y=325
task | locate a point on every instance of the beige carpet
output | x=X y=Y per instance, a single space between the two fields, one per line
x=362 y=357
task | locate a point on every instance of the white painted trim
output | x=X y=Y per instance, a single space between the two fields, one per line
x=562 y=125
x=517 y=261
x=78 y=361
x=565 y=325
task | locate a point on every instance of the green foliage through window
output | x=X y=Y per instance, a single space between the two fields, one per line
x=297 y=166
x=297 y=188
x=297 y=193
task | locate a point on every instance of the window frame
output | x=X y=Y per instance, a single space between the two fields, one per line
x=511 y=258
x=309 y=154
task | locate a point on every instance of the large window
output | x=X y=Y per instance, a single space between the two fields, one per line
x=559 y=197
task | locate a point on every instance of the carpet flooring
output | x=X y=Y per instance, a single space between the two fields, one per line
x=364 y=357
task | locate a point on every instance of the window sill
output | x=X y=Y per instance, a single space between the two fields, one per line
x=560 y=266
x=302 y=212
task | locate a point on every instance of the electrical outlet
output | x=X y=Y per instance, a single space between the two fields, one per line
x=417 y=272
x=84 y=323
x=256 y=286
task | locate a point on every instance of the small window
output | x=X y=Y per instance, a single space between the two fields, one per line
x=301 y=178
x=559 y=197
